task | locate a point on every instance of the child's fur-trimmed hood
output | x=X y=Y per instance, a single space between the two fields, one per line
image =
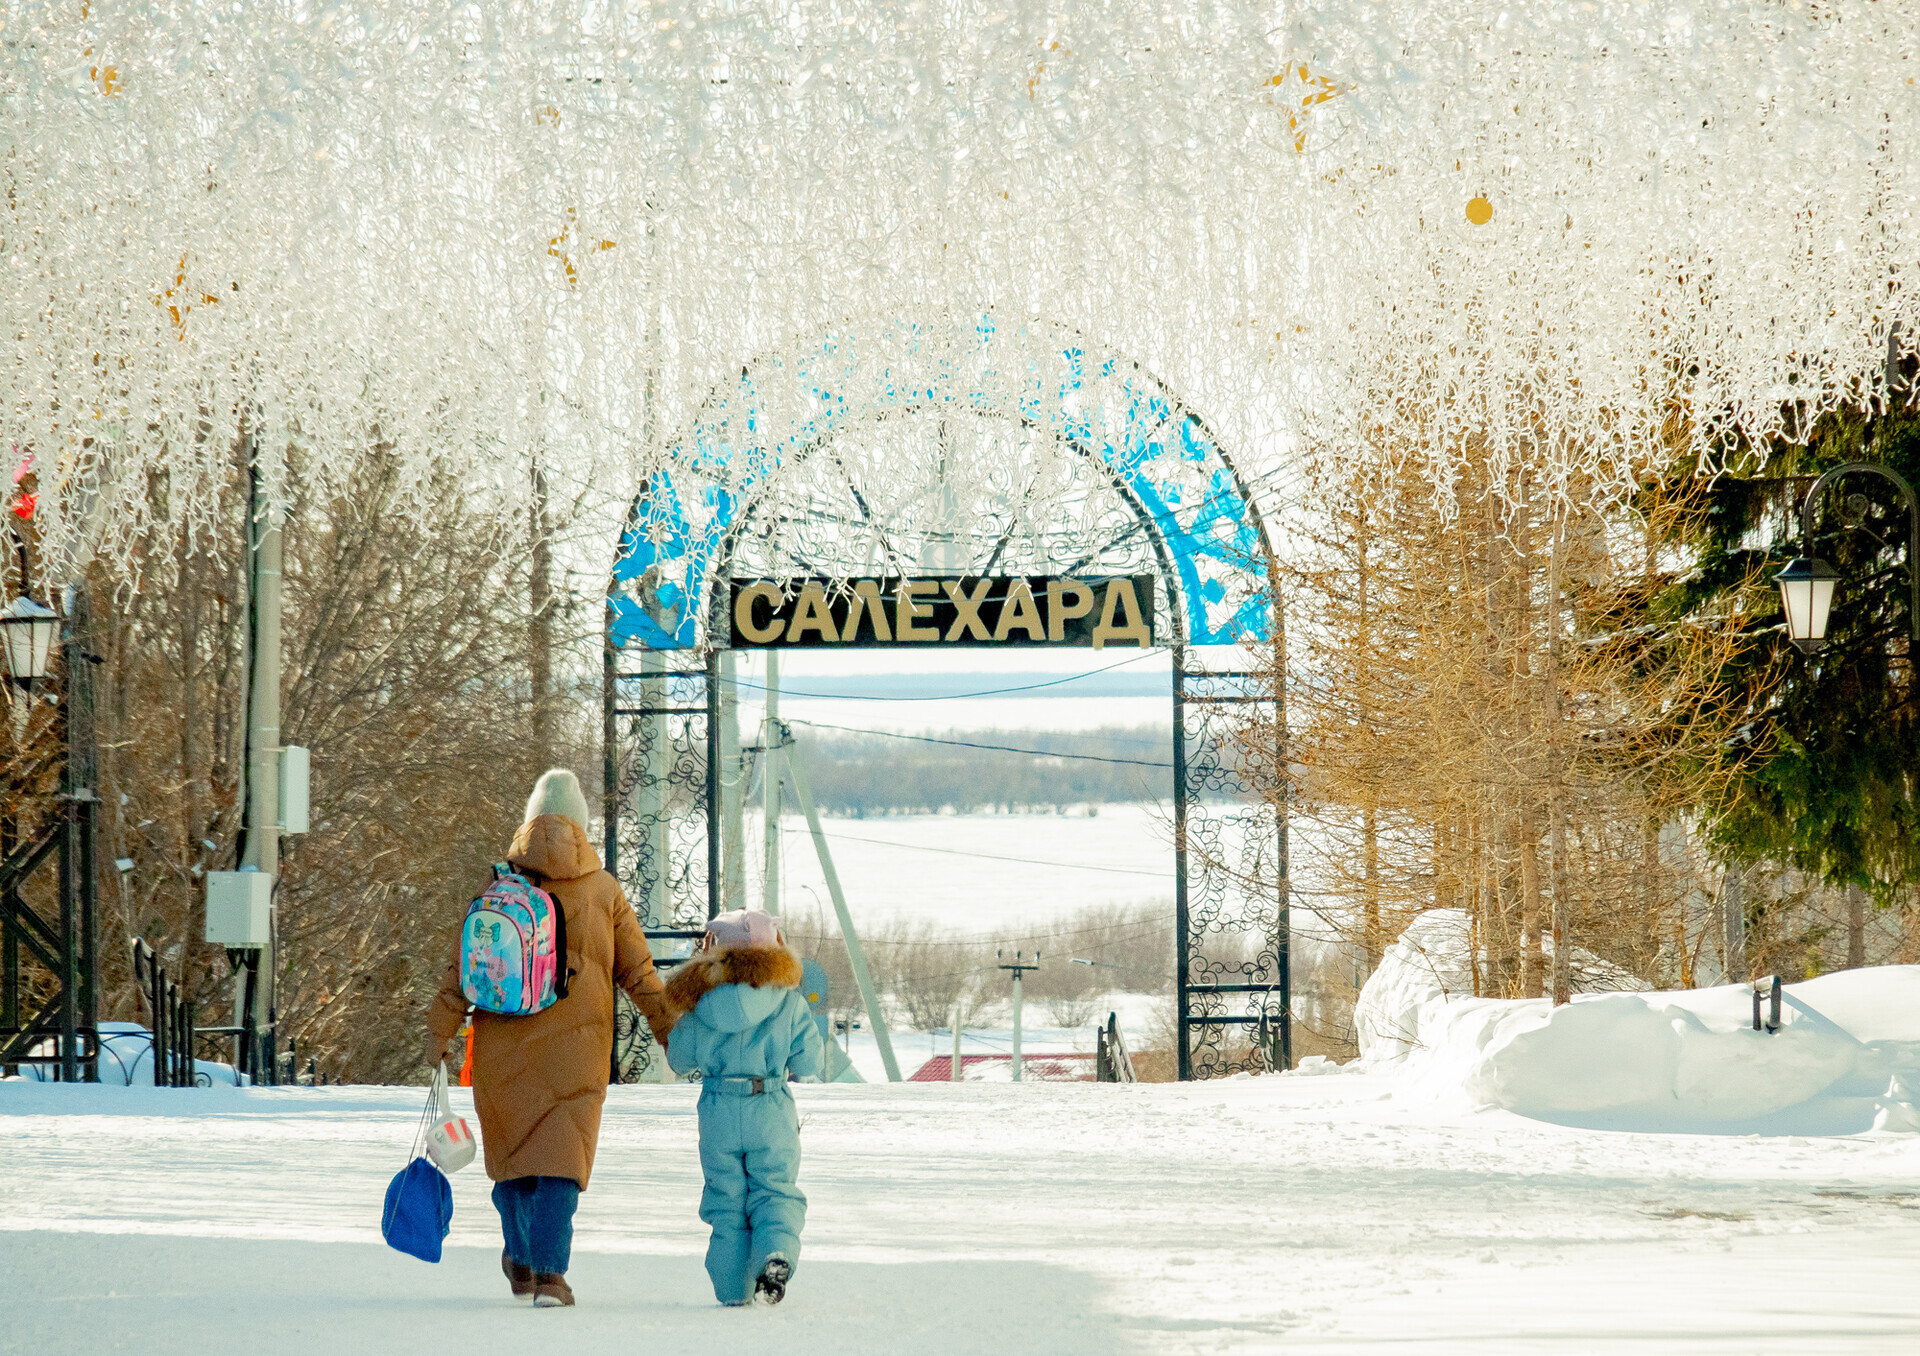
x=757 y=967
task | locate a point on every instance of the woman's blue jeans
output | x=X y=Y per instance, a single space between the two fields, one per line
x=536 y=1216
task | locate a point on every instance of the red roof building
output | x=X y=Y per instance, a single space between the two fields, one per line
x=1067 y=1068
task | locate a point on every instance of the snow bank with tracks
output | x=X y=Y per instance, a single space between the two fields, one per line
x=1843 y=1060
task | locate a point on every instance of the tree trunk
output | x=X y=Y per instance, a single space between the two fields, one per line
x=1733 y=925
x=1370 y=848
x=1856 y=927
x=1483 y=892
x=540 y=621
x=1501 y=937
x=1524 y=718
x=189 y=703
x=1648 y=890
x=1372 y=941
x=1533 y=960
x=1556 y=765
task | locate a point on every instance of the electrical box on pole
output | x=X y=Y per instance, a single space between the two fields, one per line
x=296 y=776
x=239 y=908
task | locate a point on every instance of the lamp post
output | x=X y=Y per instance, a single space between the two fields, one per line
x=26 y=644
x=26 y=629
x=1806 y=584
x=26 y=636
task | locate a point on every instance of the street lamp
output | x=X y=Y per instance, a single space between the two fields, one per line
x=1806 y=590
x=1806 y=584
x=26 y=637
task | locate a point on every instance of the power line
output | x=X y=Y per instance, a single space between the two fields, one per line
x=1114 y=928
x=943 y=696
x=1091 y=732
x=971 y=744
x=993 y=856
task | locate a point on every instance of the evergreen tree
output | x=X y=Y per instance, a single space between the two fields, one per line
x=1827 y=753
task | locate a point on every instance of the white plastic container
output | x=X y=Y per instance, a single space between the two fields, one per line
x=450 y=1143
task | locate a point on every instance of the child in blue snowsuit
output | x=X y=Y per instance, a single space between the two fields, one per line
x=743 y=1023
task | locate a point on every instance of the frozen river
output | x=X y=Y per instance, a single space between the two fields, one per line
x=982 y=873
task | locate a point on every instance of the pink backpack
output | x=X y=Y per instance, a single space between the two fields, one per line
x=513 y=947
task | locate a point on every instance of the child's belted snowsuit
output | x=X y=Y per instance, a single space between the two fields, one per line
x=745 y=1026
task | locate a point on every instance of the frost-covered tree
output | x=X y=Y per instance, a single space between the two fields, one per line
x=553 y=224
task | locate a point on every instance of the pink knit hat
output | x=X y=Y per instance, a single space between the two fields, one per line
x=741 y=928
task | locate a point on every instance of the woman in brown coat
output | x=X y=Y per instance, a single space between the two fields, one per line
x=539 y=1081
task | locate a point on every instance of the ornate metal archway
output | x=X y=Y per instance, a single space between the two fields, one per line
x=960 y=451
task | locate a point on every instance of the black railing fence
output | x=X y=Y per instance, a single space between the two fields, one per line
x=171 y=1017
x=1111 y=1062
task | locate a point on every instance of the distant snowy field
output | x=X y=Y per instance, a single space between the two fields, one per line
x=1297 y=1213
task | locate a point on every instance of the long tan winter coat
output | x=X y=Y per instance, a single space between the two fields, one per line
x=539 y=1081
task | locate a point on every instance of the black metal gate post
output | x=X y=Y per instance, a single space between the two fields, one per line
x=9 y=936
x=1206 y=887
x=609 y=751
x=69 y=961
x=1283 y=881
x=79 y=1003
x=53 y=821
x=713 y=782
x=1182 y=924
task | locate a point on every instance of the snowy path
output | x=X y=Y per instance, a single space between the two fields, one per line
x=1304 y=1214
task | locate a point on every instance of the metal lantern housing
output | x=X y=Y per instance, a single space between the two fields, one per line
x=26 y=635
x=1806 y=591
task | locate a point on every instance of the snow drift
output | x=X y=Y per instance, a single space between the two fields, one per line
x=1433 y=959
x=1846 y=1053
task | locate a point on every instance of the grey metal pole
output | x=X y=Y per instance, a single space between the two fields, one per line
x=954 y=1073
x=772 y=753
x=263 y=711
x=856 y=954
x=1019 y=1006
x=1019 y=967
x=733 y=837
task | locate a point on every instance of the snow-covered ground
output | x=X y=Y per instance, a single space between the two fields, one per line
x=1307 y=1214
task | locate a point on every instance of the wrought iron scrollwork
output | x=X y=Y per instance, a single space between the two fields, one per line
x=1235 y=998
x=662 y=798
x=981 y=450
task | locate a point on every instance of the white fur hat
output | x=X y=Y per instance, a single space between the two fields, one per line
x=558 y=793
x=741 y=928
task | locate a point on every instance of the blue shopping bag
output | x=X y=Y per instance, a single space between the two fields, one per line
x=419 y=1208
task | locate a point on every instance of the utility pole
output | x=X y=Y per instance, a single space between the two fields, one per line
x=771 y=754
x=263 y=733
x=1019 y=966
x=954 y=1074
x=856 y=954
